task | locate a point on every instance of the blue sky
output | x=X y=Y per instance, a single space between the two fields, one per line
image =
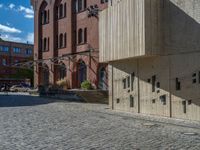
x=16 y=20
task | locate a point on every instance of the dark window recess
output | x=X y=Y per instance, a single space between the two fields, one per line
x=158 y=84
x=131 y=101
x=80 y=36
x=194 y=75
x=124 y=83
x=104 y=1
x=118 y=100
x=61 y=41
x=65 y=40
x=153 y=83
x=184 y=106
x=85 y=35
x=132 y=80
x=45 y=44
x=194 y=78
x=178 y=85
x=194 y=81
x=153 y=101
x=128 y=81
x=48 y=44
x=163 y=99
x=158 y=91
x=149 y=80
x=65 y=10
x=85 y=4
x=189 y=102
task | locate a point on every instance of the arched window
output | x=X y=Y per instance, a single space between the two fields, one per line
x=61 y=40
x=65 y=9
x=85 y=35
x=65 y=40
x=82 y=72
x=85 y=4
x=48 y=16
x=45 y=74
x=61 y=10
x=45 y=17
x=43 y=13
x=48 y=44
x=62 y=71
x=80 y=36
x=45 y=44
x=80 y=5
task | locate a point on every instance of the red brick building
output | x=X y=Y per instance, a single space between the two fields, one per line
x=12 y=53
x=68 y=29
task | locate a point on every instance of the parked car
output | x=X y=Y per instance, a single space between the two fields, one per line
x=19 y=88
x=4 y=88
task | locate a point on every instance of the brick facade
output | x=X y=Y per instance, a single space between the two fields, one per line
x=64 y=28
x=12 y=53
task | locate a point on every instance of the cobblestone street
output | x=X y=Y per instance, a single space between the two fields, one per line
x=28 y=122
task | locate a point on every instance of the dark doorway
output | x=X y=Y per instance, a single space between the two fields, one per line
x=82 y=72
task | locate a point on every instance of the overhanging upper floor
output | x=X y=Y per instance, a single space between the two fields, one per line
x=130 y=28
x=141 y=28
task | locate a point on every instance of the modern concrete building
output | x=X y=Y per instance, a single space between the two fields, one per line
x=67 y=32
x=10 y=54
x=153 y=48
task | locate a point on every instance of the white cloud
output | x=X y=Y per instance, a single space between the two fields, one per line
x=8 y=37
x=30 y=38
x=28 y=16
x=11 y=6
x=8 y=29
x=28 y=12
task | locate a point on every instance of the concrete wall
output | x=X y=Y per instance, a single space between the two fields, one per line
x=166 y=69
x=166 y=82
x=149 y=28
x=131 y=25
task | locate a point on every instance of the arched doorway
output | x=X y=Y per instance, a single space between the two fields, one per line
x=62 y=71
x=82 y=72
x=102 y=79
x=45 y=75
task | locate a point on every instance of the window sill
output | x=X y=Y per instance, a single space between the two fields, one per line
x=78 y=12
x=45 y=23
x=45 y=51
x=60 y=18
x=62 y=47
x=80 y=44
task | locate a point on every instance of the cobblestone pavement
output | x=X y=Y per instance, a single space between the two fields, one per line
x=33 y=123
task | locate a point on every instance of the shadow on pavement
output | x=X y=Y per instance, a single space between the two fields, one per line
x=7 y=100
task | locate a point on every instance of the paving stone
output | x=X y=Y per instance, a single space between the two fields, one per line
x=38 y=123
